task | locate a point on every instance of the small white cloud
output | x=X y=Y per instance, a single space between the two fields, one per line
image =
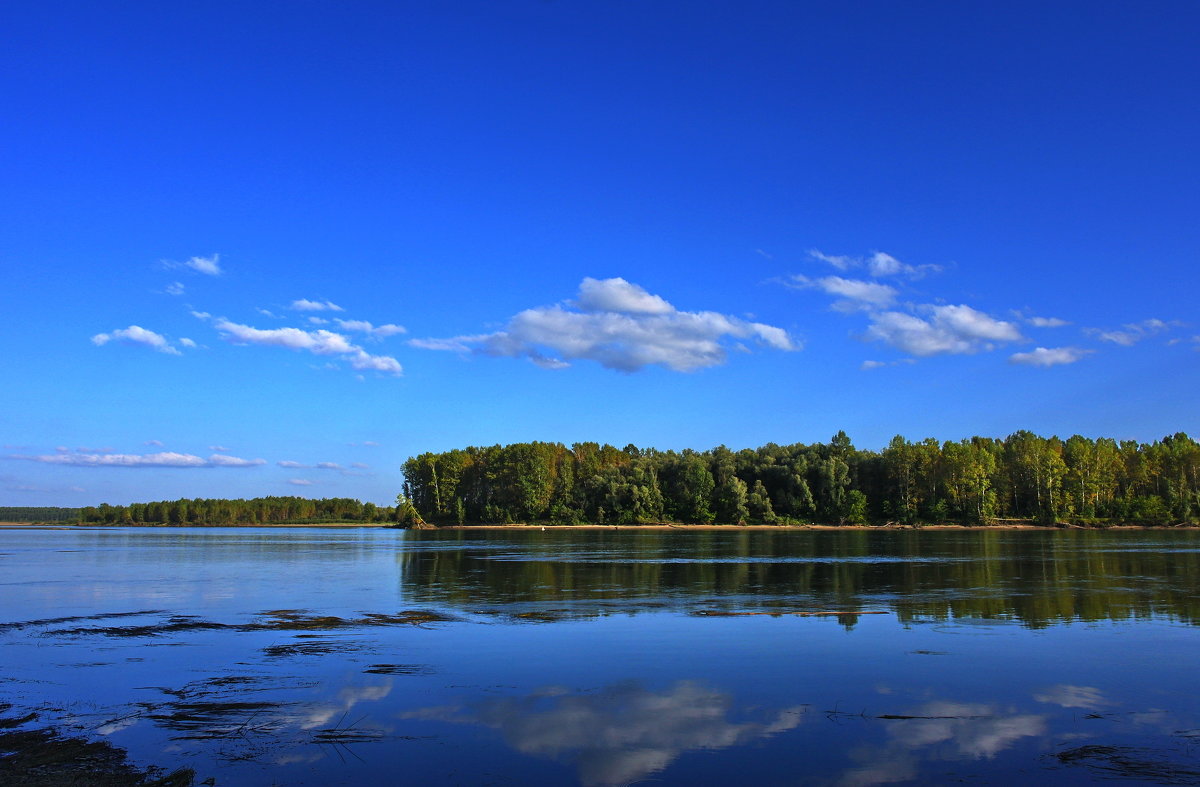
x=364 y=361
x=328 y=466
x=175 y=288
x=161 y=459
x=868 y=365
x=842 y=263
x=376 y=331
x=300 y=482
x=154 y=443
x=267 y=313
x=290 y=463
x=186 y=342
x=219 y=449
x=867 y=292
x=951 y=330
x=201 y=315
x=639 y=330
x=222 y=460
x=878 y=264
x=318 y=320
x=305 y=305
x=1047 y=322
x=1052 y=356
x=209 y=266
x=319 y=342
x=360 y=466
x=136 y=334
x=1132 y=333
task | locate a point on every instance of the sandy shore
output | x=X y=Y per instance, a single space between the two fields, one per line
x=651 y=528
x=69 y=525
x=663 y=527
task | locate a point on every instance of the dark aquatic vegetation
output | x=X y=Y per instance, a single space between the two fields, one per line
x=1135 y=763
x=264 y=657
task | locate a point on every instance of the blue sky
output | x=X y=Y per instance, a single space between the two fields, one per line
x=277 y=248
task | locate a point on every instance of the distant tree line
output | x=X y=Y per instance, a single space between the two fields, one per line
x=38 y=514
x=975 y=481
x=260 y=510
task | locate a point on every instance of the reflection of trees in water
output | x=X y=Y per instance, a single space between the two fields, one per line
x=1036 y=577
x=618 y=735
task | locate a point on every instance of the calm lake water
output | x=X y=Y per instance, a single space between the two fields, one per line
x=313 y=656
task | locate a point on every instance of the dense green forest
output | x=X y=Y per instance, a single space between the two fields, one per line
x=38 y=514
x=975 y=481
x=260 y=510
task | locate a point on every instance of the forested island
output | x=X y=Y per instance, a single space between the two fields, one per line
x=1023 y=478
x=976 y=481
x=258 y=511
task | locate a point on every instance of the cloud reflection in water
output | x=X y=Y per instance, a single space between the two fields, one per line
x=619 y=735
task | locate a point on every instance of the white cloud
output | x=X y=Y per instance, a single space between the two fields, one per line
x=305 y=305
x=1052 y=356
x=376 y=331
x=1132 y=333
x=869 y=365
x=175 y=288
x=319 y=342
x=868 y=292
x=290 y=463
x=360 y=466
x=186 y=342
x=154 y=443
x=201 y=315
x=1047 y=322
x=135 y=334
x=878 y=264
x=219 y=449
x=363 y=361
x=618 y=295
x=634 y=333
x=209 y=266
x=953 y=330
x=222 y=460
x=318 y=321
x=161 y=459
x=300 y=482
x=328 y=466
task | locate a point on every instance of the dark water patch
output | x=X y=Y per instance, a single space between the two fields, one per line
x=217 y=719
x=77 y=618
x=172 y=625
x=399 y=669
x=1134 y=763
x=726 y=613
x=46 y=758
x=304 y=620
x=313 y=647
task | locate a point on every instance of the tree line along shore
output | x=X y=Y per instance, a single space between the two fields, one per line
x=1022 y=479
x=976 y=481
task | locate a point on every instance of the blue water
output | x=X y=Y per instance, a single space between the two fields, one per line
x=608 y=658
